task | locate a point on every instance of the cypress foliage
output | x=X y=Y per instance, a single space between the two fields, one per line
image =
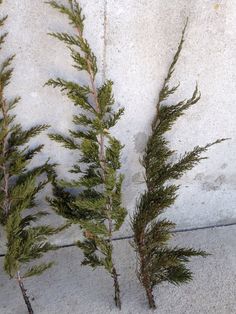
x=95 y=203
x=19 y=187
x=157 y=261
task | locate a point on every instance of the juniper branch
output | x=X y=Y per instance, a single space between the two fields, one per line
x=19 y=187
x=157 y=262
x=97 y=208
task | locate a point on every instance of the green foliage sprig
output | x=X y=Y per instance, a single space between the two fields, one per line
x=96 y=205
x=19 y=186
x=157 y=261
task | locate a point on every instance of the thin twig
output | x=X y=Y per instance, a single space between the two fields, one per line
x=24 y=293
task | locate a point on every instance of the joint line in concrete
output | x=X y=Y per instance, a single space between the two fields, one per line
x=104 y=61
x=174 y=231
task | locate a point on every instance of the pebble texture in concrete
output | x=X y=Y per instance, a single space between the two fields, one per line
x=67 y=288
x=134 y=41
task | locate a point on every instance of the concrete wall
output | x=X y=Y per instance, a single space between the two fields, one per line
x=134 y=41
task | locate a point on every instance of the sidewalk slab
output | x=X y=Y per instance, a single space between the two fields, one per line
x=69 y=288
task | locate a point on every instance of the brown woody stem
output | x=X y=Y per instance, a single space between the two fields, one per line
x=117 y=298
x=24 y=294
x=150 y=298
x=144 y=276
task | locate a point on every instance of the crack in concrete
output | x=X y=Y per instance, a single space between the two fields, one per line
x=104 y=61
x=174 y=231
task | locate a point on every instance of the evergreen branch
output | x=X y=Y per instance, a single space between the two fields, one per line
x=37 y=270
x=34 y=251
x=88 y=182
x=23 y=193
x=21 y=137
x=113 y=153
x=186 y=162
x=94 y=229
x=67 y=142
x=91 y=204
x=68 y=86
x=2 y=39
x=99 y=214
x=6 y=63
x=89 y=135
x=5 y=77
x=113 y=118
x=158 y=233
x=80 y=63
x=19 y=188
x=82 y=120
x=32 y=152
x=13 y=103
x=75 y=169
x=62 y=203
x=179 y=275
x=78 y=94
x=74 y=13
x=66 y=38
x=166 y=91
x=189 y=160
x=27 y=220
x=105 y=97
x=157 y=262
x=3 y=19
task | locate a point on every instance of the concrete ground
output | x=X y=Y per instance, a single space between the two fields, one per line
x=69 y=288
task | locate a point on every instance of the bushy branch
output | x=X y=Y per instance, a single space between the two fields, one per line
x=27 y=240
x=95 y=203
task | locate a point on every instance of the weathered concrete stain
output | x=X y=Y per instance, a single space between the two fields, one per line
x=220 y=179
x=199 y=176
x=140 y=141
x=214 y=185
x=137 y=178
x=210 y=186
x=216 y=6
x=208 y=182
x=224 y=165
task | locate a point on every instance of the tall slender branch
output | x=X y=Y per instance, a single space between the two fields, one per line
x=157 y=260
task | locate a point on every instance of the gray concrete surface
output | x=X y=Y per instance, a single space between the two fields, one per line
x=68 y=288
